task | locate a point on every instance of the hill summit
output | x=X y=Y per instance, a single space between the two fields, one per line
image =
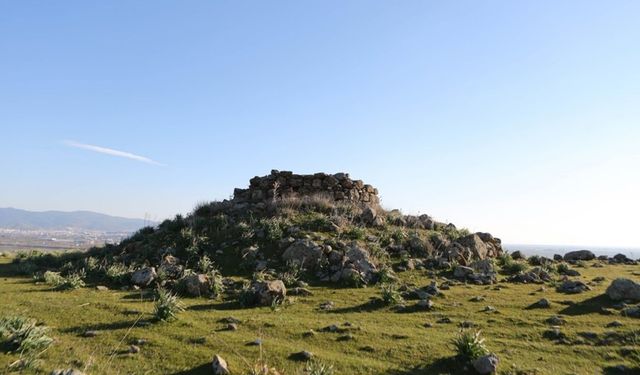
x=318 y=228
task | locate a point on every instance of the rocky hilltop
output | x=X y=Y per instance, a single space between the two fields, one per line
x=321 y=227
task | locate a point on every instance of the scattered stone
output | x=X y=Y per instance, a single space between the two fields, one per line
x=306 y=253
x=232 y=327
x=90 y=333
x=477 y=299
x=134 y=349
x=328 y=305
x=556 y=320
x=467 y=324
x=347 y=337
x=425 y=304
x=330 y=328
x=487 y=364
x=69 y=371
x=489 y=309
x=573 y=287
x=256 y=342
x=230 y=320
x=219 y=365
x=614 y=324
x=101 y=288
x=368 y=348
x=428 y=325
x=309 y=333
x=624 y=289
x=444 y=320
x=541 y=304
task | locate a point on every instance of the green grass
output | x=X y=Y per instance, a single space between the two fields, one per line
x=384 y=340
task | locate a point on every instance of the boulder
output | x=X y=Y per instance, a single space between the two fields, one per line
x=358 y=258
x=579 y=255
x=461 y=272
x=266 y=292
x=196 y=285
x=476 y=248
x=487 y=364
x=304 y=252
x=219 y=365
x=517 y=255
x=624 y=289
x=573 y=287
x=144 y=276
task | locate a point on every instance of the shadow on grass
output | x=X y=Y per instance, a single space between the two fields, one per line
x=125 y=324
x=202 y=369
x=229 y=305
x=449 y=365
x=615 y=370
x=592 y=305
x=370 y=306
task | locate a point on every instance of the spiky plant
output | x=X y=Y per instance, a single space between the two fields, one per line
x=469 y=345
x=167 y=305
x=316 y=367
x=24 y=336
x=216 y=286
x=391 y=295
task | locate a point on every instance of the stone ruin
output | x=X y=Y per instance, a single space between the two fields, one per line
x=280 y=184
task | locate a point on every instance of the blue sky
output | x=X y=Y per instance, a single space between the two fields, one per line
x=518 y=118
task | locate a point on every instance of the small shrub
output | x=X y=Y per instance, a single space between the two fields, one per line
x=246 y=296
x=52 y=278
x=469 y=345
x=205 y=264
x=24 y=336
x=515 y=268
x=292 y=273
x=356 y=233
x=167 y=305
x=562 y=268
x=72 y=281
x=386 y=274
x=391 y=295
x=117 y=273
x=355 y=280
x=316 y=367
x=216 y=286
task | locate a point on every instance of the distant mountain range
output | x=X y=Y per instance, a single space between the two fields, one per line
x=13 y=218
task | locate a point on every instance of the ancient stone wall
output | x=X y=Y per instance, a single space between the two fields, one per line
x=283 y=183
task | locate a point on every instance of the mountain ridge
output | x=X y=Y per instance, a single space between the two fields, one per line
x=16 y=218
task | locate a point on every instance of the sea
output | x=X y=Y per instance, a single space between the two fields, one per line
x=550 y=250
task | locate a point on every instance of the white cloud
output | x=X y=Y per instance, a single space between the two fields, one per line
x=112 y=152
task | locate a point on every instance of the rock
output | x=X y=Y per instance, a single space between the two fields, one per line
x=535 y=276
x=305 y=355
x=624 y=289
x=614 y=324
x=557 y=257
x=171 y=267
x=476 y=248
x=542 y=304
x=621 y=258
x=69 y=371
x=556 y=320
x=304 y=252
x=425 y=304
x=358 y=259
x=134 y=349
x=461 y=272
x=266 y=292
x=219 y=366
x=328 y=305
x=101 y=288
x=369 y=215
x=90 y=333
x=632 y=312
x=232 y=327
x=487 y=364
x=517 y=255
x=579 y=255
x=297 y=291
x=573 y=287
x=196 y=285
x=144 y=276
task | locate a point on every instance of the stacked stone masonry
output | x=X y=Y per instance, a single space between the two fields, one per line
x=283 y=184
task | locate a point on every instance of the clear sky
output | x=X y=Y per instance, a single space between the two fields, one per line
x=517 y=118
